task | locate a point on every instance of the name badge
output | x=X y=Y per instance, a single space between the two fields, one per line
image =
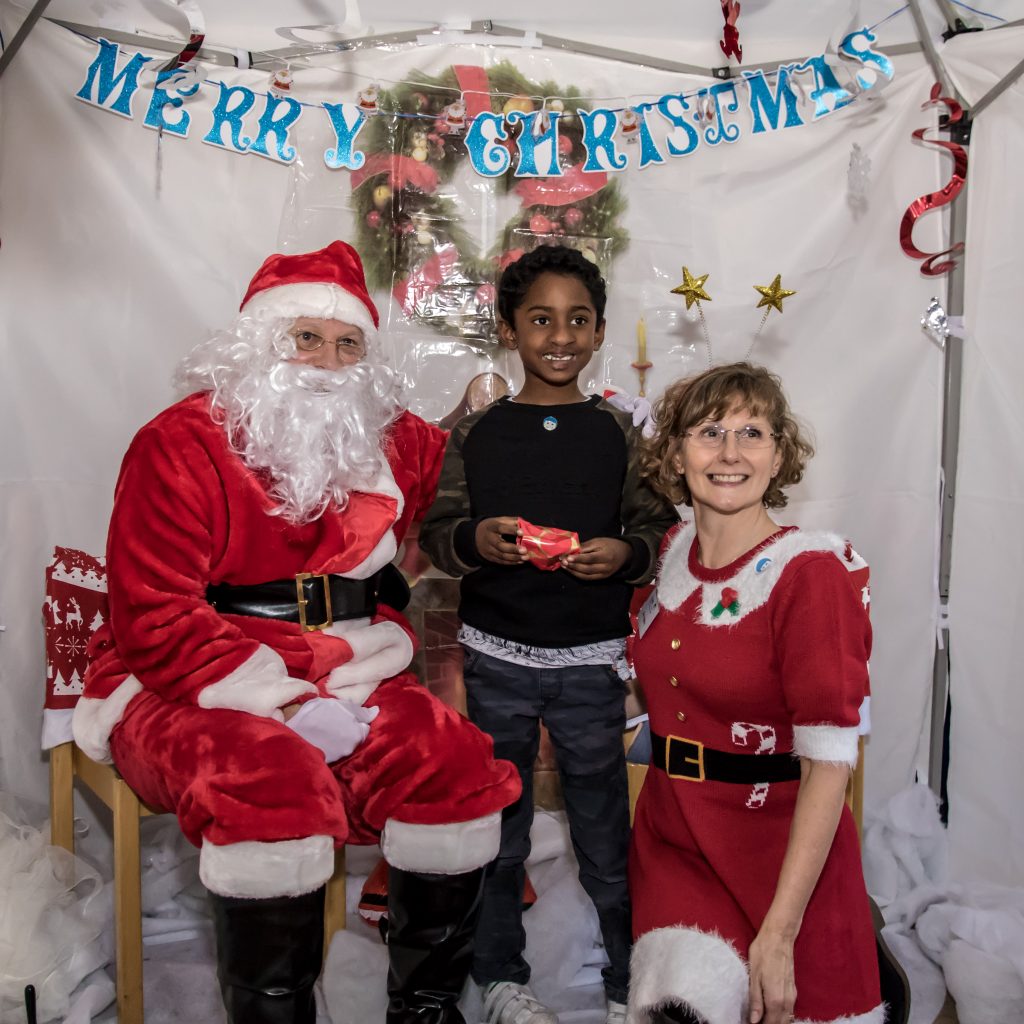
x=648 y=613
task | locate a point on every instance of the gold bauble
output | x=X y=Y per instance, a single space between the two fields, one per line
x=382 y=196
x=523 y=103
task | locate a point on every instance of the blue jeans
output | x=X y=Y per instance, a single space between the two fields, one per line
x=583 y=708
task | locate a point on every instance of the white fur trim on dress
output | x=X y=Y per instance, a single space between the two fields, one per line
x=875 y=1016
x=95 y=718
x=260 y=685
x=318 y=299
x=450 y=849
x=755 y=580
x=379 y=651
x=686 y=966
x=254 y=870
x=832 y=743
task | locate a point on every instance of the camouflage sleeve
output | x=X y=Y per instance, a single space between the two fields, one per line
x=446 y=534
x=646 y=516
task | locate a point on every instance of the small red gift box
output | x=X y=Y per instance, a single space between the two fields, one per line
x=545 y=545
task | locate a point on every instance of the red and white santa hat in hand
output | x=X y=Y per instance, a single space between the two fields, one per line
x=329 y=284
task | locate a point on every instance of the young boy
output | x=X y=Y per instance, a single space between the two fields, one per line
x=544 y=645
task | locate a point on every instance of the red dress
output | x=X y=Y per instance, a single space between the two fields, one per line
x=766 y=655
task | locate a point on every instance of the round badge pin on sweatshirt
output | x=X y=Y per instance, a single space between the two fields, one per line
x=550 y=423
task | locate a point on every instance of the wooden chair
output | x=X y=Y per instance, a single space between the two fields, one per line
x=76 y=589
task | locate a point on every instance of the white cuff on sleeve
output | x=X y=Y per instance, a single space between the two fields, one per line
x=831 y=743
x=260 y=685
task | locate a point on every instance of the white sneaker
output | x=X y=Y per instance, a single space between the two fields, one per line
x=508 y=1002
x=616 y=1013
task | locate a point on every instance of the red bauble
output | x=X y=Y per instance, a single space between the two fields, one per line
x=564 y=145
x=373 y=219
x=572 y=218
x=540 y=225
x=485 y=295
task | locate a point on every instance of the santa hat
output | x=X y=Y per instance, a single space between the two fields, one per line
x=329 y=284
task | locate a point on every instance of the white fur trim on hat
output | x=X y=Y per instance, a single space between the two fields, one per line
x=321 y=300
x=379 y=651
x=686 y=966
x=831 y=743
x=254 y=870
x=449 y=849
x=95 y=718
x=260 y=685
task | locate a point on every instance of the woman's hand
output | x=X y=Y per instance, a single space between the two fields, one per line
x=492 y=546
x=598 y=558
x=772 y=985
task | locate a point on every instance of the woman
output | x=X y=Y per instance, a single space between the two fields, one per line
x=748 y=898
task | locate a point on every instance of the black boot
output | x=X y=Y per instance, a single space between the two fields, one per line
x=431 y=919
x=892 y=978
x=269 y=955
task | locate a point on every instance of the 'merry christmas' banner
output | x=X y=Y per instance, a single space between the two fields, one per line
x=243 y=120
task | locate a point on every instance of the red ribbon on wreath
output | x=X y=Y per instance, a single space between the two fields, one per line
x=412 y=291
x=934 y=200
x=402 y=171
x=572 y=186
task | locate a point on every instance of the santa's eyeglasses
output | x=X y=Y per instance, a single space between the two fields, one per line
x=310 y=341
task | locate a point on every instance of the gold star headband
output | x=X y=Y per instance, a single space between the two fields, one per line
x=693 y=291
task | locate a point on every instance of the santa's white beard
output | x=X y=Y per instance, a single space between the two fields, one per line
x=316 y=434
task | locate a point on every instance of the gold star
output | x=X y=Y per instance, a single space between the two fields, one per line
x=773 y=294
x=692 y=288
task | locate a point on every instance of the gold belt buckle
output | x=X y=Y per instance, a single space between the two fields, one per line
x=697 y=748
x=300 y=578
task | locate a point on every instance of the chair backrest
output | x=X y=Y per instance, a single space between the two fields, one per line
x=74 y=608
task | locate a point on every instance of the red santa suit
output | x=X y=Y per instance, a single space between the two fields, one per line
x=765 y=656
x=185 y=699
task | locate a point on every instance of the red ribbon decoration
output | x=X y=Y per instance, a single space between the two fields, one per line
x=573 y=185
x=933 y=200
x=402 y=171
x=412 y=291
x=730 y=41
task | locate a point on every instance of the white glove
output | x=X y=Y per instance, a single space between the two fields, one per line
x=336 y=726
x=639 y=407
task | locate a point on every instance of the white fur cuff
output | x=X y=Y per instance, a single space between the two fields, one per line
x=254 y=870
x=830 y=743
x=875 y=1016
x=260 y=685
x=95 y=718
x=378 y=652
x=450 y=849
x=689 y=967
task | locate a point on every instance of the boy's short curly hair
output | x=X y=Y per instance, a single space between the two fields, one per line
x=517 y=277
x=711 y=395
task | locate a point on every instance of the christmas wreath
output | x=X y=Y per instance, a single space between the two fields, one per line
x=407 y=224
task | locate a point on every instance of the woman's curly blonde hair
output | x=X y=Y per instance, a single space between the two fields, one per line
x=710 y=396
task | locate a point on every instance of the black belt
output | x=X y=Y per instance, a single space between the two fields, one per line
x=313 y=601
x=689 y=759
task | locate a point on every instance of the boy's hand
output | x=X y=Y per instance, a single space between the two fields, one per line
x=598 y=558
x=492 y=546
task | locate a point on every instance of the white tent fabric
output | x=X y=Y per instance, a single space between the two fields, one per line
x=106 y=283
x=986 y=593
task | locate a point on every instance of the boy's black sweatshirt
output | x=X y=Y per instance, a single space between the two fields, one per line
x=568 y=466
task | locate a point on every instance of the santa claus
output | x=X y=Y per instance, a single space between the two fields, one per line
x=252 y=675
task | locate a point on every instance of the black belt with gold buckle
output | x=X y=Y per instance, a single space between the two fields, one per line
x=681 y=758
x=313 y=600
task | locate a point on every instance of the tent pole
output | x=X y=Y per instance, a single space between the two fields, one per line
x=952 y=384
x=22 y=34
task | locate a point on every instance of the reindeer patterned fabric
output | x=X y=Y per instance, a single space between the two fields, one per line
x=74 y=608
